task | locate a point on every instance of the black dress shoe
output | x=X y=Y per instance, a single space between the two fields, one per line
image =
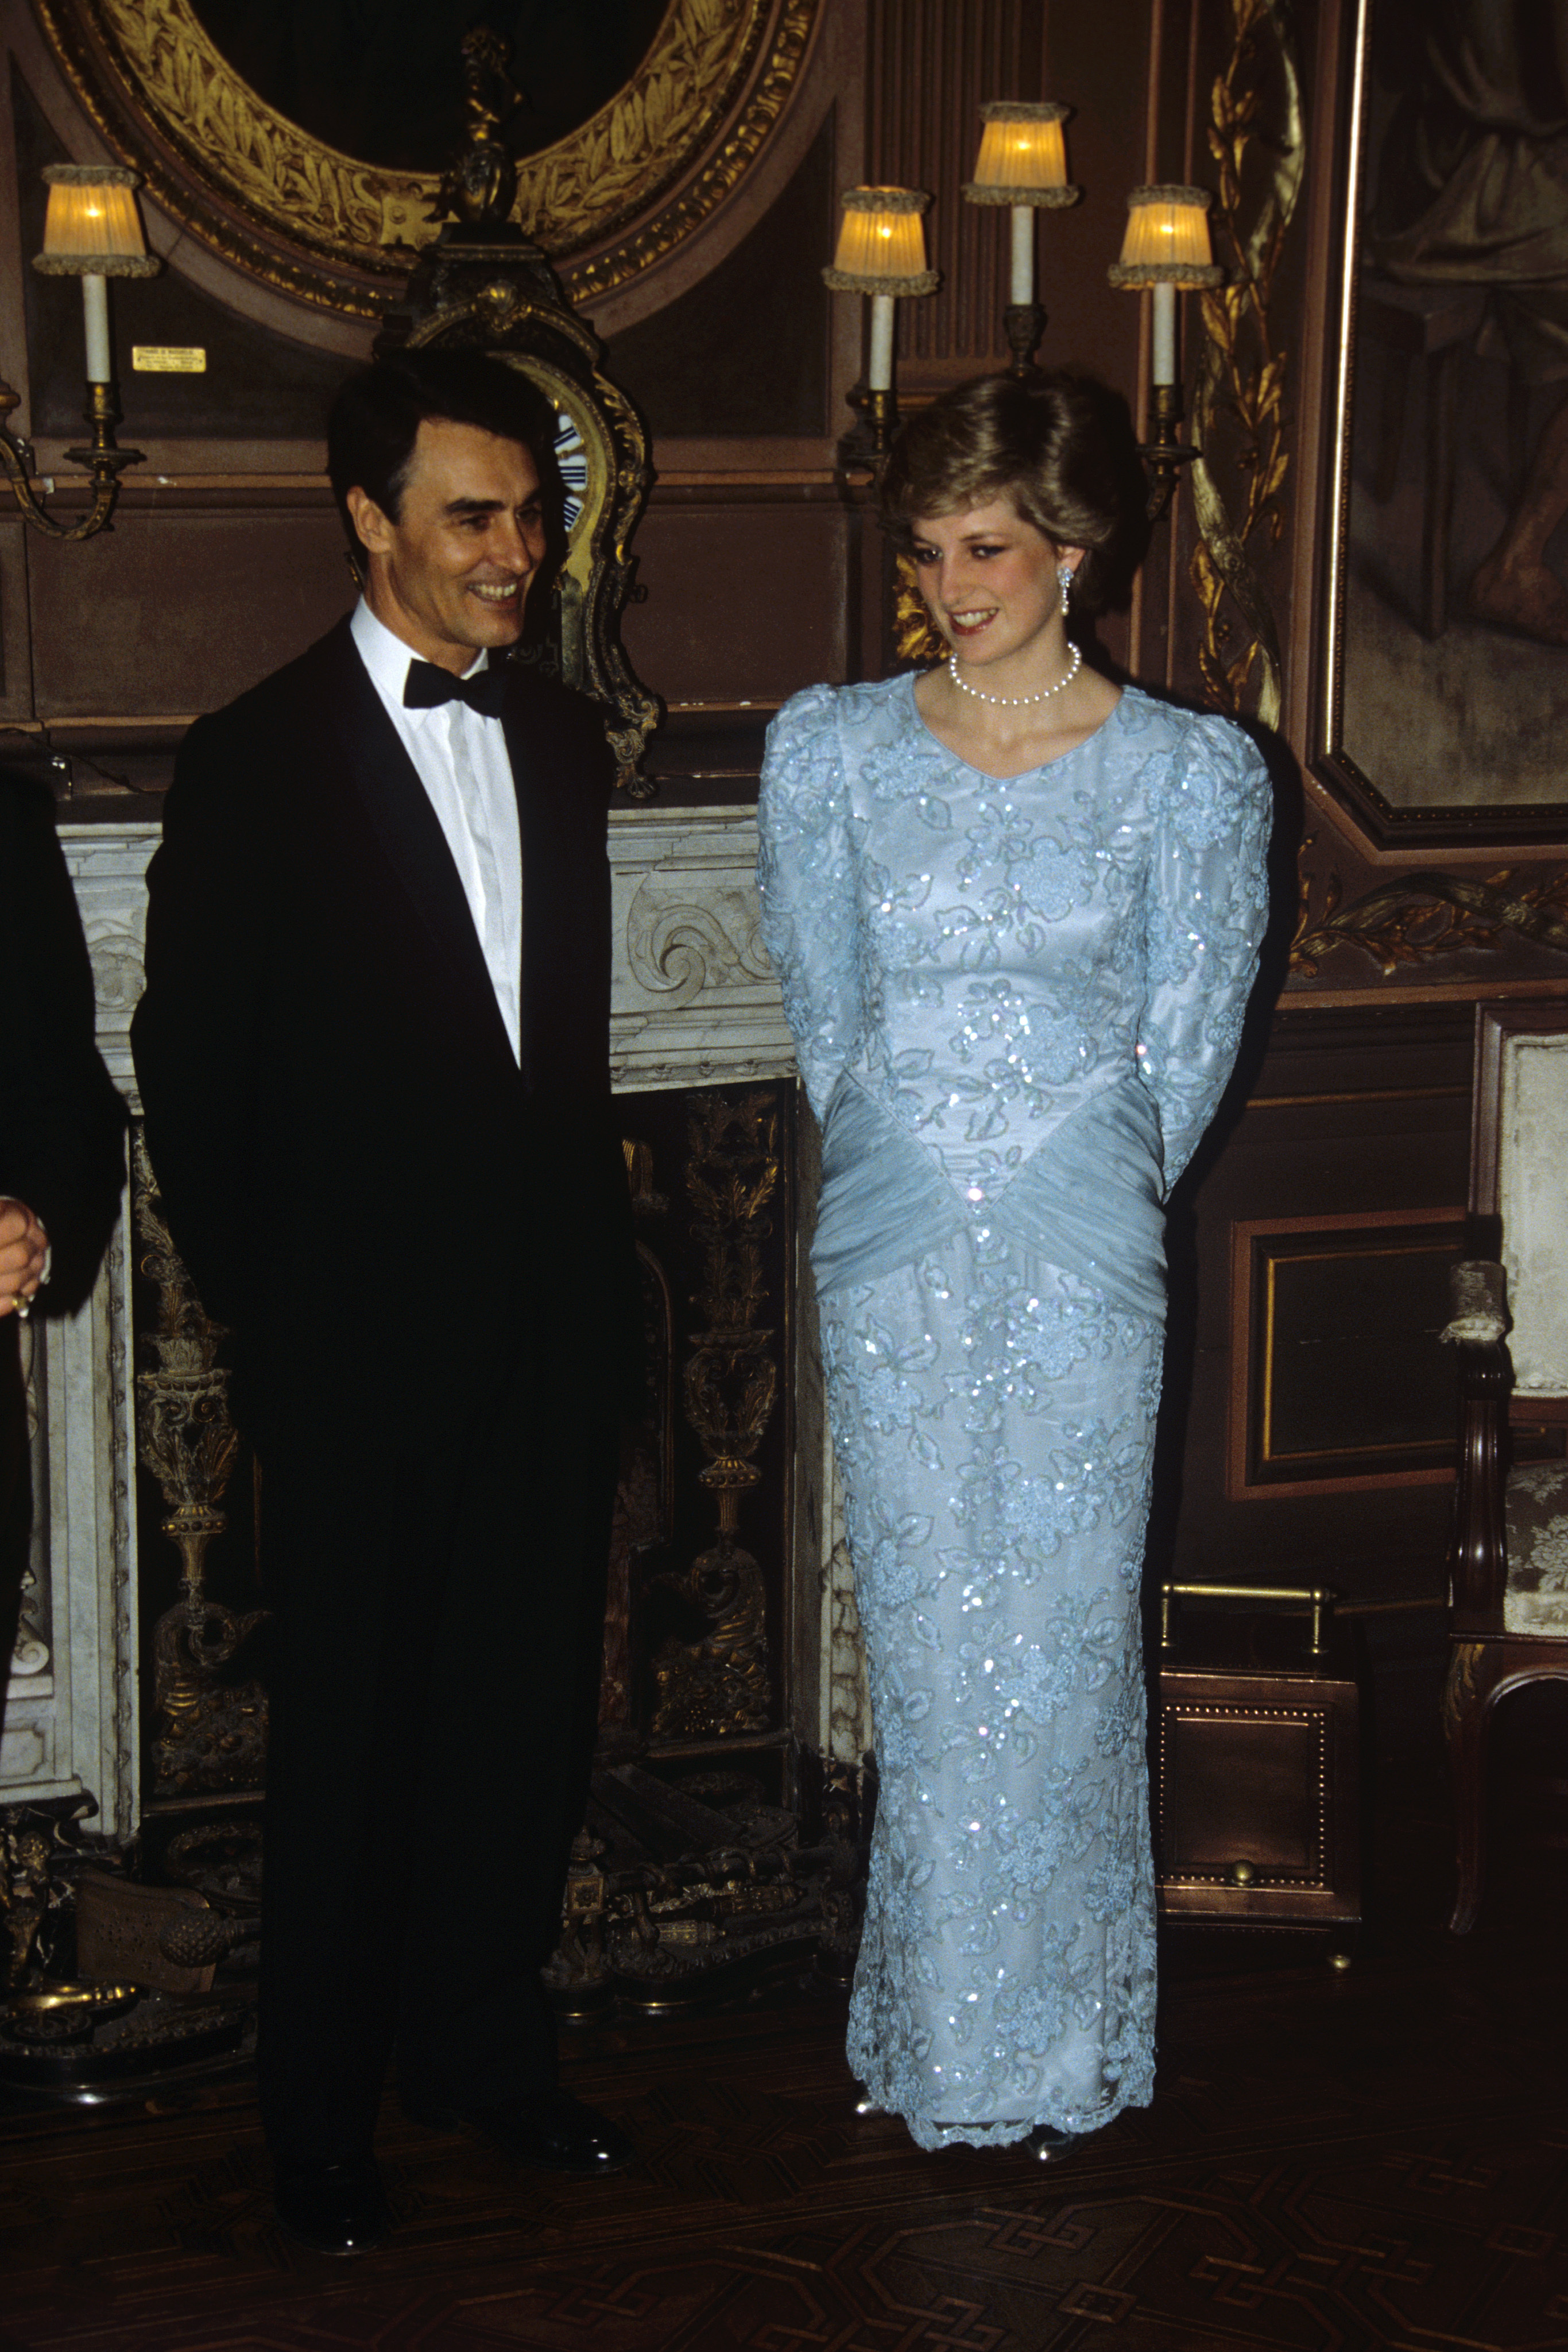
x=338 y=2209
x=547 y=2129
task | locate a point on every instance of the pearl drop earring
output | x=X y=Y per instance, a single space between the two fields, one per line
x=1064 y=575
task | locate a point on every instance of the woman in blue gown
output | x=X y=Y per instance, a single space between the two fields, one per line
x=1015 y=912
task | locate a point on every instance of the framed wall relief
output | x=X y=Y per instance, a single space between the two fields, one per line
x=1440 y=708
x=304 y=140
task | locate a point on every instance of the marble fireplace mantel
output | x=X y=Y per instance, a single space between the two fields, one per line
x=693 y=1003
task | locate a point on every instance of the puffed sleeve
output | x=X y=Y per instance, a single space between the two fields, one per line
x=805 y=876
x=1206 y=908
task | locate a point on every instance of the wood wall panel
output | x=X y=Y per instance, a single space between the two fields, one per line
x=172 y=614
x=745 y=597
x=931 y=63
x=1350 y=1116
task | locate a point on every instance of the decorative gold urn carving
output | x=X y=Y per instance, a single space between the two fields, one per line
x=718 y=1683
x=211 y=1732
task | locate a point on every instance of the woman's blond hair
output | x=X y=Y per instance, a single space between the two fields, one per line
x=1059 y=445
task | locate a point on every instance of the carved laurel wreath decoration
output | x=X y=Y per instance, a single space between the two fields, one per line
x=164 y=70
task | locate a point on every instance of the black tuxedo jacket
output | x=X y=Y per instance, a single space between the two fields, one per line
x=386 y=1211
x=61 y=1122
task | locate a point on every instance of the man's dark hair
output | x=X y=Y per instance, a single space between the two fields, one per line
x=377 y=414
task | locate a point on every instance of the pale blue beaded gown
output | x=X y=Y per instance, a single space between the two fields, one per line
x=1015 y=1006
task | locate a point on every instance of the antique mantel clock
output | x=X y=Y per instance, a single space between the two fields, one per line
x=484 y=283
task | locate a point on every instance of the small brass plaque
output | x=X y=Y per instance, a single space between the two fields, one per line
x=168 y=359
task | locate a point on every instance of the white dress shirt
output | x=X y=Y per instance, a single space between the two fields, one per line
x=461 y=760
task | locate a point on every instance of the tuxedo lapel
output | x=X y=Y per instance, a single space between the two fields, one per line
x=528 y=751
x=386 y=786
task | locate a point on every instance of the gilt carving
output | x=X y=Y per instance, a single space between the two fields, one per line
x=211 y=1731
x=717 y=1684
x=1239 y=395
x=624 y=189
x=1421 y=916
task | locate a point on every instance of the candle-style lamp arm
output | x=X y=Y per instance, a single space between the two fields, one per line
x=1023 y=323
x=870 y=436
x=1164 y=456
x=1166 y=253
x=103 y=460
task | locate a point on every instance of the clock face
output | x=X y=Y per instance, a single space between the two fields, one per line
x=571 y=457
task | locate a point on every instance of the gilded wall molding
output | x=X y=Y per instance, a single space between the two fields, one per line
x=1423 y=917
x=606 y=202
x=1241 y=377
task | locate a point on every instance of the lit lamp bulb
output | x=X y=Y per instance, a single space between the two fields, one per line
x=1022 y=164
x=93 y=231
x=881 y=254
x=1166 y=246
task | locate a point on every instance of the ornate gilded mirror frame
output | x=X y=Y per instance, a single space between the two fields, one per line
x=1433 y=719
x=606 y=202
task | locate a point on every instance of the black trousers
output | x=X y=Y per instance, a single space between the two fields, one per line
x=440 y=1606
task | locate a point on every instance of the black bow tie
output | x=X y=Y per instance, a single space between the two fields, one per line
x=427 y=687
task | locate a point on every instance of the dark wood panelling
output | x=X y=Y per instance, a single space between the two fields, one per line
x=932 y=62
x=1338 y=1382
x=746 y=595
x=255 y=383
x=1355 y=1115
x=178 y=613
x=15 y=644
x=714 y=362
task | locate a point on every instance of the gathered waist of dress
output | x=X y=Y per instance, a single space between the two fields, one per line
x=1087 y=1198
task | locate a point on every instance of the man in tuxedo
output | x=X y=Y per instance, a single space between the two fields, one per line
x=373 y=1056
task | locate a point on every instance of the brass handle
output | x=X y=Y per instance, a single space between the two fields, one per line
x=1319 y=1596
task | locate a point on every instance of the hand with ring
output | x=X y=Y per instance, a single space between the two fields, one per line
x=24 y=1253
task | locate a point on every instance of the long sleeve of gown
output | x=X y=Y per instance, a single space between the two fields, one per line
x=805 y=876
x=1204 y=917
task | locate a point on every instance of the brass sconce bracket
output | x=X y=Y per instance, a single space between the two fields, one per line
x=1023 y=324
x=1164 y=456
x=103 y=460
x=869 y=439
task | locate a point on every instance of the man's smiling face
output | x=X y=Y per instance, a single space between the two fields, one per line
x=450 y=574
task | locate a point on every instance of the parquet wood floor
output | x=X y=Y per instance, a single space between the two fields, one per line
x=1331 y=2163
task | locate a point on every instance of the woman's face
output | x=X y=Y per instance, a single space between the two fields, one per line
x=988 y=579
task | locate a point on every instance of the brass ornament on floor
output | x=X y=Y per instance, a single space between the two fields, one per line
x=719 y=1684
x=39 y=1854
x=211 y=1731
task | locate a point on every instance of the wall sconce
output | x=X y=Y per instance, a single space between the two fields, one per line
x=92 y=231
x=1022 y=164
x=881 y=253
x=1166 y=247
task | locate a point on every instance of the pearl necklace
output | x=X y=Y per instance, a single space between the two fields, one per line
x=1016 y=701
